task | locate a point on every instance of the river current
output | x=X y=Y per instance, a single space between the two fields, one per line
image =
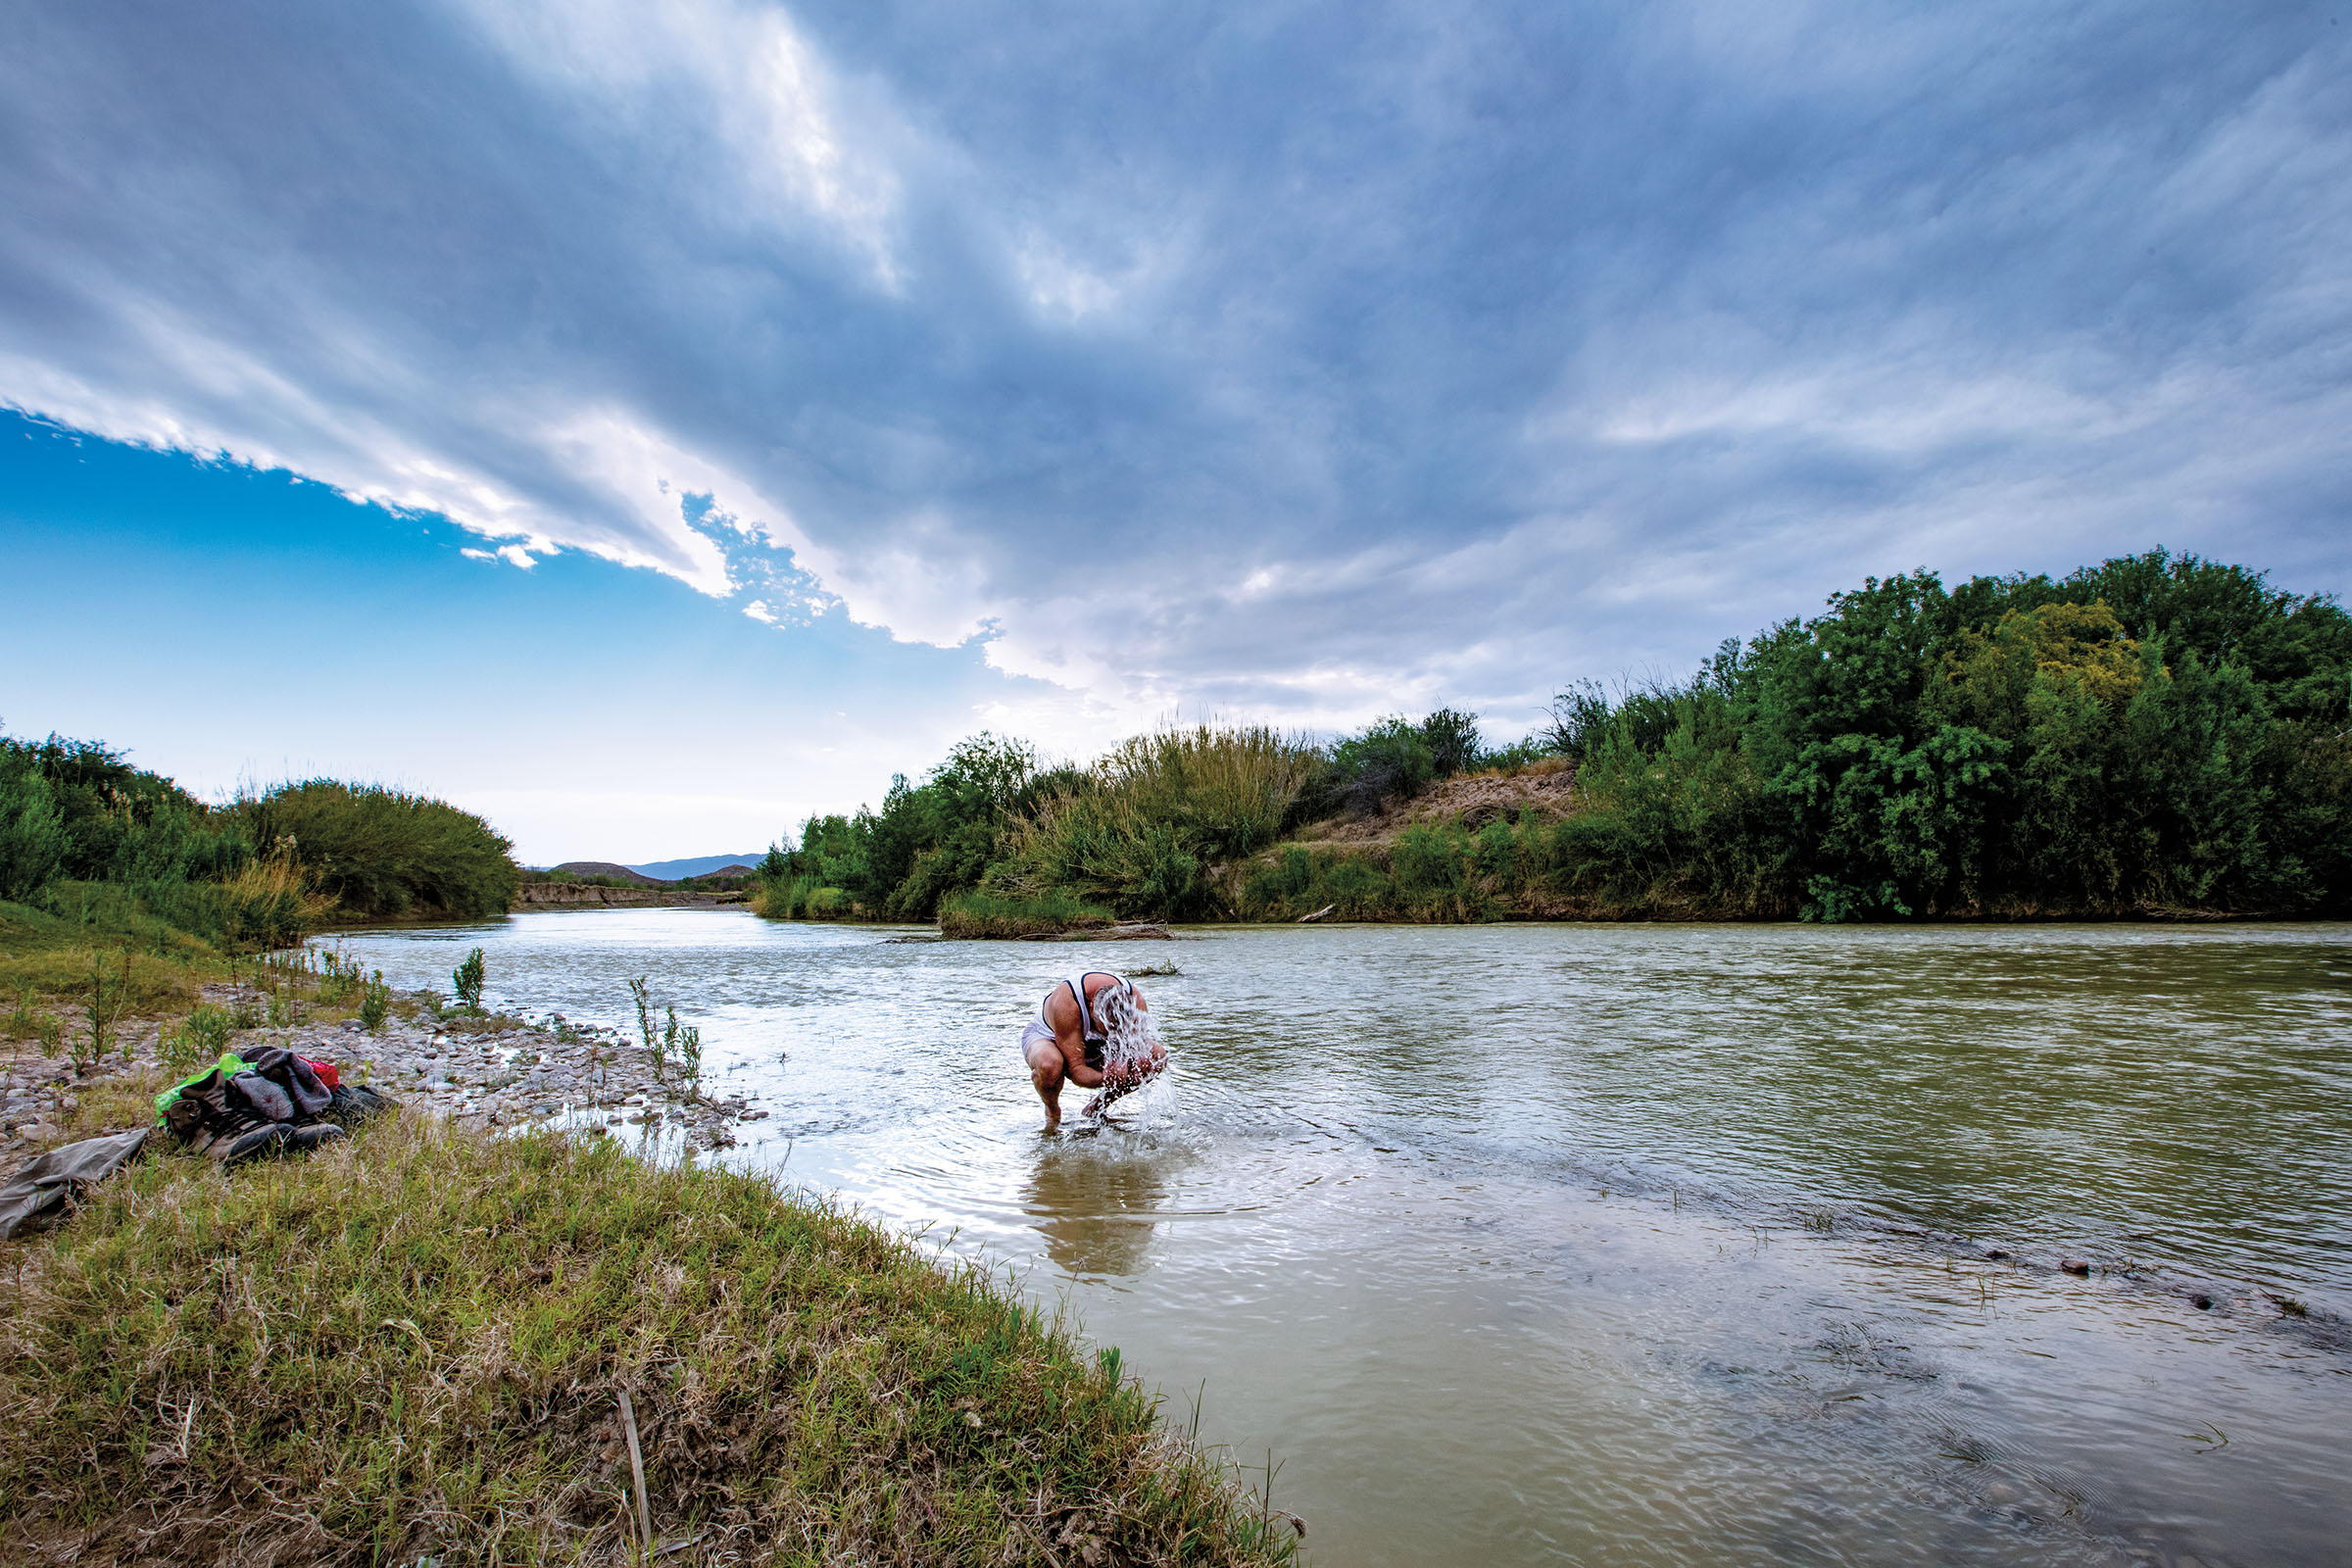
x=1639 y=1243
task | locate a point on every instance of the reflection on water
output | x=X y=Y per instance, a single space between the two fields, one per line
x=1623 y=1243
x=1095 y=1201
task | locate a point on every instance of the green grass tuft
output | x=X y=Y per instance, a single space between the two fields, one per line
x=998 y=916
x=412 y=1344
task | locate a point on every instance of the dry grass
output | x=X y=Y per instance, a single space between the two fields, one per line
x=63 y=975
x=1547 y=786
x=413 y=1346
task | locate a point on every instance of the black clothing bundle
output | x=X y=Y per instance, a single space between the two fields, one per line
x=268 y=1100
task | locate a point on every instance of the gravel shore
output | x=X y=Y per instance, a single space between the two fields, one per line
x=488 y=1071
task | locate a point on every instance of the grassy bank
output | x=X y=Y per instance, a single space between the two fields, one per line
x=415 y=1344
x=999 y=916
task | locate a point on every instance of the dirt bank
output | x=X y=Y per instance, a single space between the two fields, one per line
x=1473 y=800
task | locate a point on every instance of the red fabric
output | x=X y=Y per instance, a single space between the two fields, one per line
x=328 y=1073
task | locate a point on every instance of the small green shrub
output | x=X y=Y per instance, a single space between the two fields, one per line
x=375 y=1001
x=684 y=1043
x=203 y=1037
x=23 y=1022
x=466 y=980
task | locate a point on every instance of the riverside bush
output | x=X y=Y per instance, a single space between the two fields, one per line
x=75 y=810
x=86 y=836
x=2154 y=734
x=381 y=852
x=1139 y=833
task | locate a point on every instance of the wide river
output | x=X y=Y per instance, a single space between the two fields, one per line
x=1638 y=1244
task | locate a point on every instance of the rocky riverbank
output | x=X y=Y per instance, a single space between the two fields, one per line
x=488 y=1071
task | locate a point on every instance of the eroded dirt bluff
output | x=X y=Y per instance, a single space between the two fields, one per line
x=1473 y=800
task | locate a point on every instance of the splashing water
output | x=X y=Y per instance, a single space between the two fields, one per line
x=1130 y=1042
x=1132 y=1049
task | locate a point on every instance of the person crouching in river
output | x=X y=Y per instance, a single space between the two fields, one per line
x=1096 y=1032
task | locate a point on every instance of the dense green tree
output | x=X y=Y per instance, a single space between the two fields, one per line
x=2155 y=731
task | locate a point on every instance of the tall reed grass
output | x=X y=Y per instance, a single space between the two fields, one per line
x=979 y=914
x=1142 y=831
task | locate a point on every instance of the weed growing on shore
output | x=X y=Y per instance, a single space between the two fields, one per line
x=416 y=1344
x=203 y=1037
x=465 y=980
x=375 y=1001
x=102 y=1010
x=685 y=1045
x=339 y=976
x=642 y=996
x=672 y=1044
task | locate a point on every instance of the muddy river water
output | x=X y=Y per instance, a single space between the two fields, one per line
x=1619 y=1243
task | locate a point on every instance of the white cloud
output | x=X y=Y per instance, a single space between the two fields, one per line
x=1309 y=365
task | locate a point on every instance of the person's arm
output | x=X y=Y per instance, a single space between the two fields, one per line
x=1062 y=1014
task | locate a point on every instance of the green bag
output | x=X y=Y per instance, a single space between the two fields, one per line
x=228 y=1066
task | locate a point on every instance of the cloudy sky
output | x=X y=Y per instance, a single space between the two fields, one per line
x=647 y=424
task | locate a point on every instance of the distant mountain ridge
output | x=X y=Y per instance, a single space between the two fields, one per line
x=606 y=868
x=696 y=866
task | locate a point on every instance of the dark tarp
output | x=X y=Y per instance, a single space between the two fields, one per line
x=37 y=1197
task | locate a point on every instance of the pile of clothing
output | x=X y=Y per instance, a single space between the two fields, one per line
x=240 y=1106
x=262 y=1102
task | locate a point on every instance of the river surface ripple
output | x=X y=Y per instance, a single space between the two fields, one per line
x=1619 y=1243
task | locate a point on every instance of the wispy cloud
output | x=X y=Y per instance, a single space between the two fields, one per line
x=1305 y=361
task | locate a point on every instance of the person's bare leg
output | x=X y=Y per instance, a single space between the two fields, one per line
x=1045 y=1072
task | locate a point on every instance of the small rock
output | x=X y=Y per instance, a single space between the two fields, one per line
x=2074 y=1265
